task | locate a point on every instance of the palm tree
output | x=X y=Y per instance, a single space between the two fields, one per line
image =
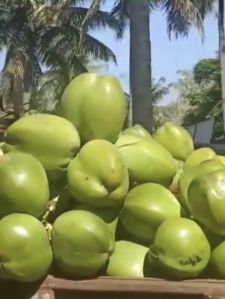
x=21 y=60
x=181 y=15
x=159 y=89
x=37 y=33
x=65 y=28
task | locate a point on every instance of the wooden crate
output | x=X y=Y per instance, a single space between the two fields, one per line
x=113 y=288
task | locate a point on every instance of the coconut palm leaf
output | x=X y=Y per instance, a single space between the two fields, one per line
x=102 y=19
x=21 y=65
x=21 y=56
x=63 y=42
x=60 y=27
x=46 y=94
x=182 y=14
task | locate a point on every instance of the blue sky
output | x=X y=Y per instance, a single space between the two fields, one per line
x=168 y=56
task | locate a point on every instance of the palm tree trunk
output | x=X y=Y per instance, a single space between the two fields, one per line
x=221 y=30
x=140 y=63
x=17 y=96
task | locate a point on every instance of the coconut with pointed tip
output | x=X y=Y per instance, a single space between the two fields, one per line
x=96 y=105
x=175 y=139
x=147 y=160
x=98 y=175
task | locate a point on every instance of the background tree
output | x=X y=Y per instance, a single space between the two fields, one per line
x=174 y=112
x=201 y=90
x=194 y=93
x=28 y=26
x=180 y=15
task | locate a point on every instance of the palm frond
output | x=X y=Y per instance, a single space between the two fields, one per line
x=92 y=10
x=60 y=47
x=102 y=19
x=63 y=42
x=121 y=13
x=182 y=14
x=27 y=26
x=66 y=3
x=159 y=89
x=21 y=57
x=120 y=9
x=16 y=57
x=22 y=3
x=204 y=6
x=40 y=16
x=97 y=49
x=46 y=95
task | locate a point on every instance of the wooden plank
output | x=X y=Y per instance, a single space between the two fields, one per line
x=203 y=288
x=115 y=288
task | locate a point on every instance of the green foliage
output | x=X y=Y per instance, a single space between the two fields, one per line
x=174 y=112
x=201 y=88
x=56 y=34
x=199 y=97
x=182 y=15
x=37 y=33
x=207 y=70
x=46 y=95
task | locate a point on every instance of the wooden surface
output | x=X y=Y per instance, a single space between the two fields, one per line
x=112 y=288
x=142 y=288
